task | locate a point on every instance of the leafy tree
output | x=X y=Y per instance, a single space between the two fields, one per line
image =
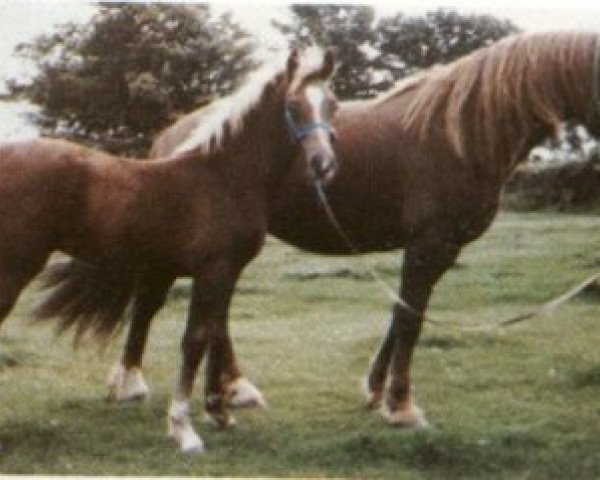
x=131 y=70
x=348 y=29
x=376 y=52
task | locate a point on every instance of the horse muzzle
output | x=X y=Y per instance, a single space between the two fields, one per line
x=323 y=167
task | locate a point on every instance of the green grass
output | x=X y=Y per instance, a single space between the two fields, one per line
x=521 y=402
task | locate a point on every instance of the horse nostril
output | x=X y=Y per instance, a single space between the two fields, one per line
x=316 y=163
x=323 y=167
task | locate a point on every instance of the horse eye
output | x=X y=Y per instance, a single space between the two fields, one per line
x=294 y=108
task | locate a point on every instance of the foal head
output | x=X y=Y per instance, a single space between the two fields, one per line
x=309 y=108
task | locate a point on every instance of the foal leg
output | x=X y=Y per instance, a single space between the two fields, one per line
x=125 y=381
x=425 y=262
x=239 y=391
x=209 y=306
x=16 y=271
x=12 y=282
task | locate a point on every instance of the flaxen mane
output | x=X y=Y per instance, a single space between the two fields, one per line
x=487 y=102
x=214 y=124
x=225 y=117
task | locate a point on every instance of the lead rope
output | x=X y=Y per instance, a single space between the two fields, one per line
x=545 y=309
x=386 y=289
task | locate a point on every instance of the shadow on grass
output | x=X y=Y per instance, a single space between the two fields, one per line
x=441 y=451
x=82 y=430
x=446 y=455
x=15 y=356
x=327 y=273
x=84 y=436
x=587 y=378
x=441 y=342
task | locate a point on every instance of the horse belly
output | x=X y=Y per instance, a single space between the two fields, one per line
x=366 y=226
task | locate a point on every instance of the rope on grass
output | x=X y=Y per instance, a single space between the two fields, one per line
x=546 y=309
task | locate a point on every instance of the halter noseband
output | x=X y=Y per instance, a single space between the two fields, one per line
x=299 y=133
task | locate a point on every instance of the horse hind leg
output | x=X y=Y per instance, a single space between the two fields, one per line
x=239 y=391
x=12 y=281
x=125 y=380
x=15 y=275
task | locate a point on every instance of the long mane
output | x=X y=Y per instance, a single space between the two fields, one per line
x=486 y=103
x=225 y=118
x=227 y=114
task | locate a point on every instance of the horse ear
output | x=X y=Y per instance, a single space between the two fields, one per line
x=292 y=63
x=328 y=63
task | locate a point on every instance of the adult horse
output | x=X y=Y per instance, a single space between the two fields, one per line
x=421 y=168
x=134 y=226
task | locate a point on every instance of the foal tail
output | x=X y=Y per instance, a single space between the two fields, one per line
x=85 y=297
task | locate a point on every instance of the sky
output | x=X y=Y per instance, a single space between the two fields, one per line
x=22 y=20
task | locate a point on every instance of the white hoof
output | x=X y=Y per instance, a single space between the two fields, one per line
x=409 y=417
x=126 y=384
x=179 y=427
x=242 y=394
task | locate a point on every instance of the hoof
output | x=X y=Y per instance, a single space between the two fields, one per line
x=126 y=385
x=193 y=447
x=374 y=397
x=220 y=421
x=179 y=427
x=242 y=394
x=410 y=417
x=187 y=439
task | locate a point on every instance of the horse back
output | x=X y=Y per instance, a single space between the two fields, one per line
x=66 y=195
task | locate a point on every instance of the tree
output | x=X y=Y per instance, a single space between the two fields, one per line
x=374 y=53
x=131 y=70
x=348 y=29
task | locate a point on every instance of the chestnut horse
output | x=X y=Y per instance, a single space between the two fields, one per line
x=132 y=227
x=421 y=168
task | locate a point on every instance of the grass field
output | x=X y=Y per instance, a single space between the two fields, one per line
x=520 y=402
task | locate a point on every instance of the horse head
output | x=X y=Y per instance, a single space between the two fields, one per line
x=309 y=108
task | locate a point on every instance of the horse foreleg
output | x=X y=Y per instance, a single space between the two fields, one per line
x=209 y=306
x=125 y=381
x=425 y=262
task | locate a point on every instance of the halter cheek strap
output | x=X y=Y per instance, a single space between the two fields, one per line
x=299 y=133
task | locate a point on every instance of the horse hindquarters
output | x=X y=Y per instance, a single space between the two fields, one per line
x=14 y=279
x=24 y=249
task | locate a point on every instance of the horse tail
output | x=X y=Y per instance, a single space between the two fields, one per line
x=86 y=298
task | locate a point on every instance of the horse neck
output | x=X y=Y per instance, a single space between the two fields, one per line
x=557 y=91
x=252 y=153
x=490 y=108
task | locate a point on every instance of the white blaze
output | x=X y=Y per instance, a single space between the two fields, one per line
x=315 y=97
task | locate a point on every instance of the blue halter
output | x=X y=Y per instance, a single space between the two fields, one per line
x=299 y=133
